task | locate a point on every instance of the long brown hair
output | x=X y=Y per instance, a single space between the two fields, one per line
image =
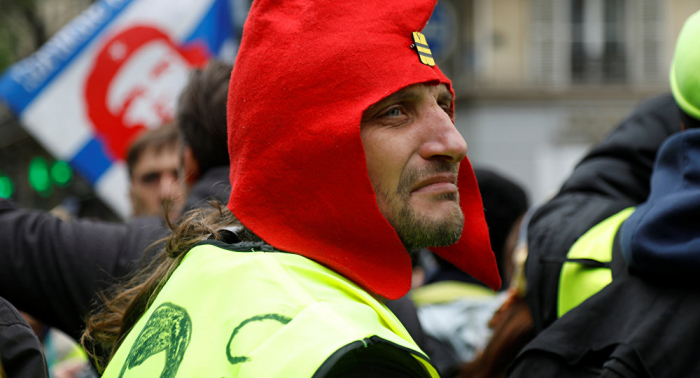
x=125 y=303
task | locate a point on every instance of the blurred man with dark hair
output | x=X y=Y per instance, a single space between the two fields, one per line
x=199 y=125
x=153 y=161
x=201 y=118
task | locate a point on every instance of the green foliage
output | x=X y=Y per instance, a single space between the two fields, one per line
x=18 y=30
x=39 y=177
x=7 y=187
x=61 y=174
x=44 y=176
x=6 y=53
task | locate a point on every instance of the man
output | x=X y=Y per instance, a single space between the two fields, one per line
x=625 y=301
x=153 y=161
x=54 y=269
x=344 y=159
x=201 y=118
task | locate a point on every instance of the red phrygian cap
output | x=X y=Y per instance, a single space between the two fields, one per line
x=305 y=73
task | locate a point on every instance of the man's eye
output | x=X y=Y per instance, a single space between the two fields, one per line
x=393 y=112
x=150 y=178
x=448 y=110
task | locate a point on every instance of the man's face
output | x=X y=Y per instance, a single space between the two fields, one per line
x=156 y=181
x=413 y=152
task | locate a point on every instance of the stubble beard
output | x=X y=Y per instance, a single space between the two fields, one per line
x=415 y=230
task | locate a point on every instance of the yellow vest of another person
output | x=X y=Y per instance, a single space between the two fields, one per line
x=254 y=314
x=587 y=269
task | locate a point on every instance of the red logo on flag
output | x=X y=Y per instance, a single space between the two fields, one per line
x=134 y=83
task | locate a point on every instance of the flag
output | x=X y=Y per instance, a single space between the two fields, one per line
x=112 y=72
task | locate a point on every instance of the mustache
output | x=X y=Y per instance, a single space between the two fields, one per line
x=409 y=178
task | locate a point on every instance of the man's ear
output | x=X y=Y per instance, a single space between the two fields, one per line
x=190 y=165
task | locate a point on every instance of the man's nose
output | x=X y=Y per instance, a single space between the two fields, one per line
x=443 y=141
x=168 y=187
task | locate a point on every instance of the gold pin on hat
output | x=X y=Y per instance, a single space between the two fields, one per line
x=421 y=45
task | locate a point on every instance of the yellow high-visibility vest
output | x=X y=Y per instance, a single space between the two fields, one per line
x=254 y=314
x=578 y=281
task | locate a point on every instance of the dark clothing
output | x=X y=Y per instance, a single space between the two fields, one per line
x=448 y=272
x=20 y=350
x=634 y=327
x=213 y=184
x=542 y=364
x=54 y=269
x=379 y=360
x=405 y=311
x=631 y=328
x=661 y=238
x=613 y=176
x=440 y=355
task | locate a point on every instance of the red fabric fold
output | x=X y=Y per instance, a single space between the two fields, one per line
x=305 y=73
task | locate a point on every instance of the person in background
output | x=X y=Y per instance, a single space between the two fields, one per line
x=344 y=160
x=625 y=300
x=21 y=354
x=54 y=269
x=154 y=164
x=64 y=357
x=201 y=118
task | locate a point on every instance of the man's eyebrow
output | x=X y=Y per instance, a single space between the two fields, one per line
x=402 y=95
x=445 y=96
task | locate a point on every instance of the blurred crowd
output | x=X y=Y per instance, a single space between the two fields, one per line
x=598 y=281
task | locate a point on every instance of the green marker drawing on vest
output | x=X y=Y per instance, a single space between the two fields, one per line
x=213 y=354
x=257 y=318
x=167 y=320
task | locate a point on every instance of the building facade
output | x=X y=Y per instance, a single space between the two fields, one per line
x=539 y=81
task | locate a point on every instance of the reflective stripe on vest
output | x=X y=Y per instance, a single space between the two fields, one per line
x=253 y=314
x=578 y=281
x=448 y=291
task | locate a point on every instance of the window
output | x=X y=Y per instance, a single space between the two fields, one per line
x=578 y=42
x=598 y=41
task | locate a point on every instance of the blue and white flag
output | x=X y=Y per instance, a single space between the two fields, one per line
x=114 y=71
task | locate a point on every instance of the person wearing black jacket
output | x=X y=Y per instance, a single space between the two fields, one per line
x=21 y=355
x=613 y=176
x=54 y=270
x=602 y=336
x=641 y=324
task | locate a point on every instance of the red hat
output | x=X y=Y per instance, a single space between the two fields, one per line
x=305 y=73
